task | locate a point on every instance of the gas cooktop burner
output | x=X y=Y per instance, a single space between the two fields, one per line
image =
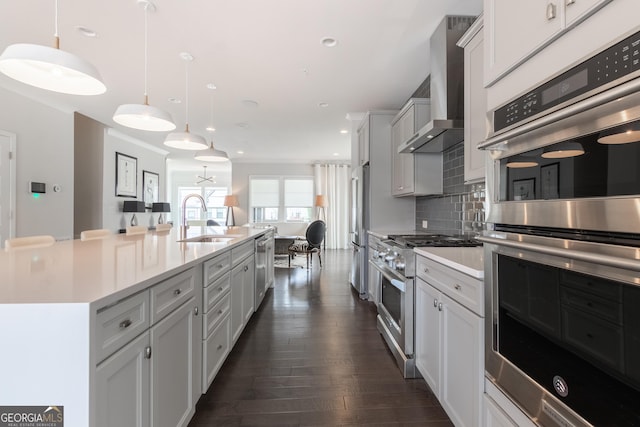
x=430 y=240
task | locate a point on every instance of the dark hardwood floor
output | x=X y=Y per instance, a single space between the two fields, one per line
x=312 y=356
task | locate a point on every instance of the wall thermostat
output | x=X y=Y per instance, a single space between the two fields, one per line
x=37 y=187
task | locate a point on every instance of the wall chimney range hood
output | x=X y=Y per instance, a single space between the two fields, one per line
x=446 y=127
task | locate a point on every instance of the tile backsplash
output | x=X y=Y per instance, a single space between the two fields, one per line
x=460 y=210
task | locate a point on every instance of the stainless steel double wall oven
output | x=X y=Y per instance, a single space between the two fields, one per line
x=563 y=259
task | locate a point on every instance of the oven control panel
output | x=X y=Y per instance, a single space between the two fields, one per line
x=614 y=63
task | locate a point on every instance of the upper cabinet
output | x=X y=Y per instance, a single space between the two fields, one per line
x=515 y=31
x=475 y=103
x=363 y=142
x=413 y=174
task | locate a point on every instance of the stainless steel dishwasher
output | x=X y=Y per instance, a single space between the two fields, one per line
x=265 y=246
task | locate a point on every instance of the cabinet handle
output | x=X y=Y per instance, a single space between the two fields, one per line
x=220 y=289
x=177 y=292
x=457 y=287
x=426 y=270
x=195 y=311
x=220 y=265
x=220 y=347
x=125 y=323
x=147 y=352
x=551 y=11
x=440 y=307
x=570 y=2
x=220 y=311
x=435 y=303
x=246 y=268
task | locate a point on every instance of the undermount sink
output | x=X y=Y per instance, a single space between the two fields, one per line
x=208 y=238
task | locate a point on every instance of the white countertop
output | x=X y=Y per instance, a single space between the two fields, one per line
x=384 y=234
x=103 y=271
x=469 y=261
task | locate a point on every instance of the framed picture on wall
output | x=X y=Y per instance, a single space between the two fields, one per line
x=524 y=189
x=150 y=187
x=126 y=175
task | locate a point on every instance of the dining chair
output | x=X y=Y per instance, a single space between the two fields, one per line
x=28 y=242
x=98 y=233
x=133 y=230
x=314 y=236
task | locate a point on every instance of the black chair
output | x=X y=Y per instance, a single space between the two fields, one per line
x=212 y=223
x=314 y=237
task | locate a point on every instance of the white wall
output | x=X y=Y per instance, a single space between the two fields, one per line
x=240 y=179
x=148 y=158
x=44 y=153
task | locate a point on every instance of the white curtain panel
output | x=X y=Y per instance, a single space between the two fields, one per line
x=334 y=182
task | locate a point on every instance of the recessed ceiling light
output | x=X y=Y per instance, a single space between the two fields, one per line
x=240 y=152
x=211 y=129
x=87 y=32
x=329 y=42
x=250 y=103
x=211 y=86
x=344 y=131
x=175 y=101
x=336 y=154
x=323 y=104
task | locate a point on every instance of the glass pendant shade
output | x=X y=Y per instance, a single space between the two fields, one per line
x=144 y=117
x=211 y=155
x=185 y=140
x=52 y=69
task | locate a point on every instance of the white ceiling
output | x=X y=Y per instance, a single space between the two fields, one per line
x=268 y=51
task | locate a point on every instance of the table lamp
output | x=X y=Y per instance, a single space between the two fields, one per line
x=161 y=207
x=133 y=206
x=230 y=201
x=321 y=203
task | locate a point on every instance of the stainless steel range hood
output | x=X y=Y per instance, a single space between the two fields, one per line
x=446 y=127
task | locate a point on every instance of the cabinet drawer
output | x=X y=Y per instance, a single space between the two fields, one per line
x=463 y=289
x=120 y=323
x=241 y=252
x=171 y=293
x=214 y=351
x=213 y=317
x=214 y=292
x=215 y=267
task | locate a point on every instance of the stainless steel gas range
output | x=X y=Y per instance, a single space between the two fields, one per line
x=392 y=263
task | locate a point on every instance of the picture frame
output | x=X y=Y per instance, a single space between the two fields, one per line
x=126 y=176
x=150 y=188
x=549 y=181
x=524 y=189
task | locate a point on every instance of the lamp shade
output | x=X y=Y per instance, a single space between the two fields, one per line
x=133 y=206
x=185 y=141
x=144 y=117
x=563 y=150
x=621 y=135
x=211 y=155
x=51 y=69
x=161 y=207
x=230 y=200
x=321 y=200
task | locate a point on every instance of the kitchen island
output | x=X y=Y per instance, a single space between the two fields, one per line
x=73 y=311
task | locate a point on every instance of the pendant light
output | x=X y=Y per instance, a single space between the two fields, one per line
x=211 y=154
x=186 y=140
x=51 y=68
x=144 y=116
x=621 y=135
x=563 y=150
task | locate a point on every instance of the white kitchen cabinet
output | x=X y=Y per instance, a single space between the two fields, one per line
x=123 y=384
x=413 y=174
x=249 y=288
x=518 y=30
x=363 y=142
x=242 y=288
x=449 y=339
x=174 y=367
x=494 y=416
x=475 y=102
x=500 y=411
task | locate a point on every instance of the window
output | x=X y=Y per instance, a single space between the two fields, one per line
x=214 y=200
x=281 y=198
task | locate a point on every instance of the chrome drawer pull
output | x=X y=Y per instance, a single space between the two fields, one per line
x=220 y=311
x=435 y=302
x=440 y=307
x=457 y=287
x=220 y=347
x=220 y=289
x=570 y=2
x=147 y=353
x=177 y=292
x=426 y=270
x=551 y=11
x=125 y=323
x=196 y=311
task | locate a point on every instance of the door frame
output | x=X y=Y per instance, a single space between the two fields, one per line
x=12 y=182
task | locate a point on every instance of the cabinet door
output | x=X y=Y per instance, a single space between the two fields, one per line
x=122 y=387
x=462 y=371
x=396 y=162
x=237 y=290
x=249 y=288
x=407 y=160
x=174 y=346
x=428 y=339
x=475 y=107
x=363 y=142
x=516 y=30
x=494 y=416
x=578 y=10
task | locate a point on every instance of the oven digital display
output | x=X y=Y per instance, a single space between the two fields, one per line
x=565 y=87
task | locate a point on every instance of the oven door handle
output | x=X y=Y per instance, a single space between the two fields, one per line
x=396 y=282
x=612 y=261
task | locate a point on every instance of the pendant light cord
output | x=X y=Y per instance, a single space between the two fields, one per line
x=55 y=27
x=146 y=83
x=186 y=98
